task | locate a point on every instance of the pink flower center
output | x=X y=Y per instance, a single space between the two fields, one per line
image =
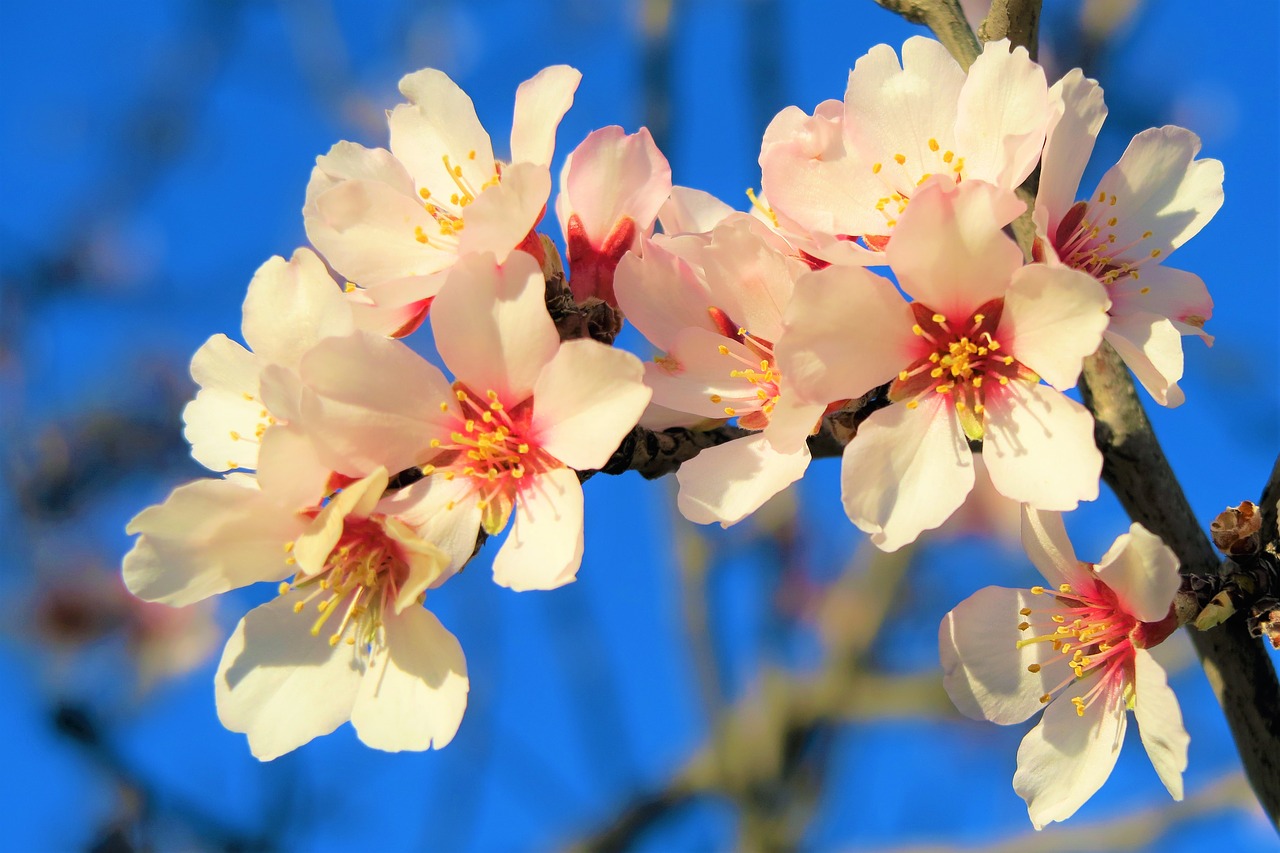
x=904 y=171
x=361 y=576
x=1086 y=240
x=1093 y=634
x=758 y=377
x=491 y=446
x=963 y=361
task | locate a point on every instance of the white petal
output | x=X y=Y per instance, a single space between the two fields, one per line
x=612 y=175
x=846 y=331
x=291 y=472
x=440 y=122
x=1053 y=318
x=1039 y=448
x=1177 y=294
x=906 y=471
x=503 y=215
x=1001 y=116
x=1143 y=573
x=1044 y=538
x=728 y=482
x=948 y=250
x=690 y=211
x=443 y=512
x=1078 y=114
x=1064 y=760
x=541 y=101
x=586 y=400
x=544 y=548
x=749 y=278
x=492 y=327
x=1160 y=722
x=661 y=294
x=279 y=684
x=415 y=690
x=1152 y=348
x=357 y=501
x=208 y=537
x=290 y=306
x=221 y=423
x=983 y=670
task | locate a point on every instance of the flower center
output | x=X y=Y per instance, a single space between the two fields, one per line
x=760 y=380
x=1086 y=240
x=960 y=360
x=360 y=577
x=448 y=214
x=490 y=445
x=902 y=174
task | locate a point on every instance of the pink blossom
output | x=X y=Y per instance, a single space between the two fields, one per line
x=1077 y=647
x=1151 y=202
x=965 y=360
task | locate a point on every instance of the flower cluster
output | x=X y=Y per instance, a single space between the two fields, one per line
x=360 y=478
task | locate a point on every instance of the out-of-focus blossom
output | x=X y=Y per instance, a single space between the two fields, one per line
x=1078 y=645
x=850 y=170
x=965 y=360
x=611 y=189
x=1151 y=202
x=525 y=414
x=393 y=221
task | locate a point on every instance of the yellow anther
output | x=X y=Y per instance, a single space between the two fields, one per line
x=522 y=448
x=875 y=168
x=900 y=159
x=471 y=155
x=1112 y=201
x=917 y=330
x=724 y=350
x=1146 y=234
x=939 y=318
x=1058 y=617
x=283 y=588
x=1033 y=667
x=419 y=234
x=1155 y=253
x=1112 y=222
x=1037 y=590
x=1022 y=626
x=959 y=166
x=730 y=411
x=947 y=157
x=1144 y=291
x=933 y=145
x=1044 y=700
x=1064 y=588
x=1026 y=611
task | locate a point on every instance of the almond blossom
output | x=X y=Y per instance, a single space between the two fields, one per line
x=366 y=651
x=714 y=306
x=1147 y=205
x=1078 y=648
x=611 y=188
x=965 y=360
x=392 y=221
x=850 y=170
x=525 y=413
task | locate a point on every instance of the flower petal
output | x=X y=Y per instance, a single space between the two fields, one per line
x=491 y=325
x=1152 y=348
x=1064 y=760
x=906 y=471
x=1078 y=112
x=1143 y=573
x=1001 y=115
x=1176 y=294
x=279 y=684
x=226 y=413
x=503 y=215
x=661 y=295
x=1039 y=448
x=612 y=175
x=728 y=482
x=436 y=133
x=415 y=691
x=983 y=669
x=541 y=102
x=290 y=305
x=443 y=512
x=1159 y=719
x=690 y=211
x=544 y=547
x=1053 y=318
x=1044 y=538
x=586 y=400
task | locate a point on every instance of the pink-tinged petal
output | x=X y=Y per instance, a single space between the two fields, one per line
x=442 y=511
x=1176 y=294
x=291 y=305
x=208 y=537
x=661 y=295
x=1078 y=112
x=491 y=325
x=279 y=684
x=372 y=233
x=613 y=175
x=846 y=331
x=690 y=211
x=1039 y=448
x=1064 y=760
x=1152 y=347
x=541 y=101
x=1053 y=318
x=948 y=250
x=544 y=547
x=1143 y=573
x=503 y=215
x=415 y=691
x=697 y=371
x=983 y=669
x=891 y=109
x=436 y=133
x=222 y=422
x=1001 y=115
x=291 y=472
x=1155 y=707
x=811 y=177
x=586 y=400
x=749 y=279
x=728 y=482
x=395 y=308
x=906 y=471
x=372 y=401
x=1160 y=187
x=1044 y=538
x=792 y=422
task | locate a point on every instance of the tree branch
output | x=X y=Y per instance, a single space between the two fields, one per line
x=946 y=19
x=1016 y=20
x=1237 y=665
